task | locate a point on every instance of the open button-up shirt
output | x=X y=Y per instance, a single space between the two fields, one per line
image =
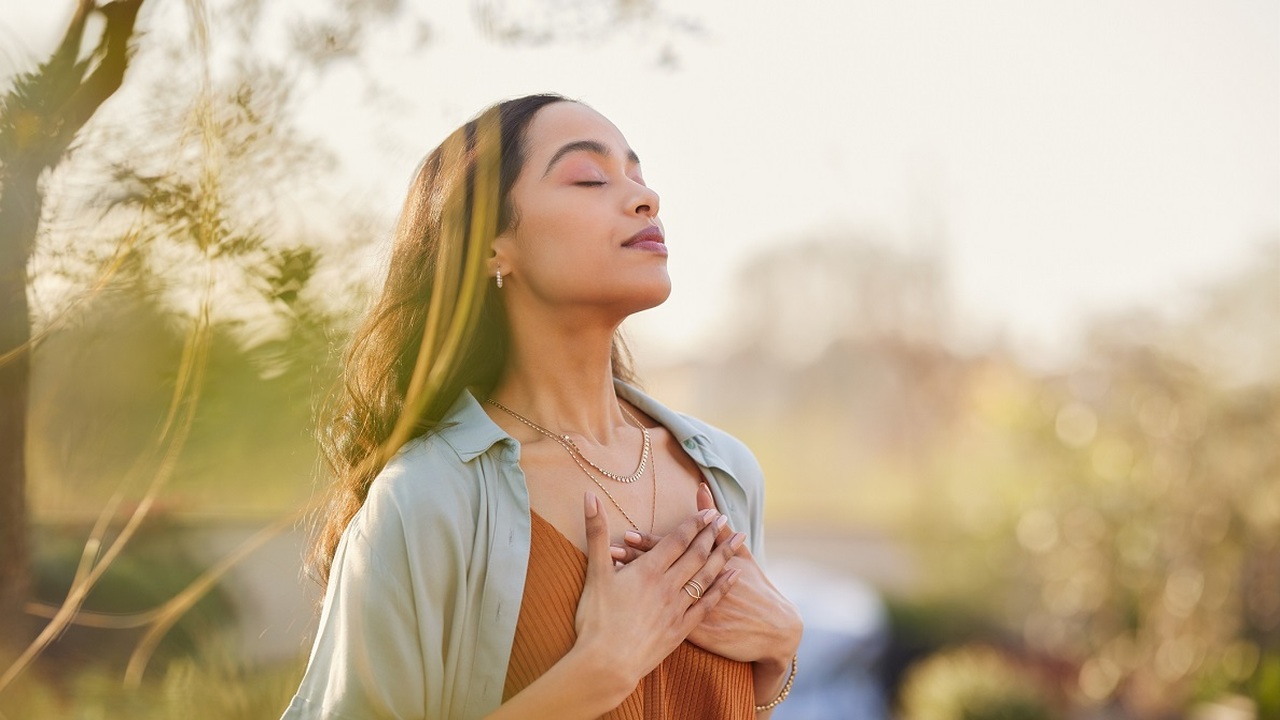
x=424 y=592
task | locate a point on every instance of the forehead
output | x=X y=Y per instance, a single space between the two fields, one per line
x=565 y=122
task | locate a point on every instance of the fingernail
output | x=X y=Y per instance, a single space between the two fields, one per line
x=721 y=521
x=706 y=515
x=617 y=552
x=736 y=541
x=592 y=507
x=631 y=536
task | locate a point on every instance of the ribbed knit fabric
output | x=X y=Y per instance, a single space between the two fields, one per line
x=691 y=683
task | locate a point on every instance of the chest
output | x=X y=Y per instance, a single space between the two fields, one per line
x=659 y=500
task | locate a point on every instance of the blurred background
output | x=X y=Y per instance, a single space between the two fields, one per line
x=992 y=289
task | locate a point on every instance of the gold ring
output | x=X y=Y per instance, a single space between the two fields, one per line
x=696 y=587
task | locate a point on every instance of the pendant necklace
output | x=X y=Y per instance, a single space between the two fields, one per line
x=575 y=453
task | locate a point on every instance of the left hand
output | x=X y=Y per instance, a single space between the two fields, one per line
x=754 y=622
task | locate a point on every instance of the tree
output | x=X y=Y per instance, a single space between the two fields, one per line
x=43 y=115
x=40 y=117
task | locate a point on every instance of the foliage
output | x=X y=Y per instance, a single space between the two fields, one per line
x=975 y=683
x=41 y=111
x=1265 y=686
x=922 y=626
x=1119 y=516
x=1146 y=536
x=210 y=686
x=105 y=380
x=153 y=568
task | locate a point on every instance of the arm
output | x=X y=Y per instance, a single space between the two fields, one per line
x=366 y=660
x=761 y=613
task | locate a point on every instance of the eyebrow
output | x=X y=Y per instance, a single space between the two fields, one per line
x=591 y=146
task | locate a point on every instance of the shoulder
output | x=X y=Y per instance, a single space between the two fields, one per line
x=735 y=453
x=741 y=478
x=718 y=448
x=424 y=489
x=427 y=467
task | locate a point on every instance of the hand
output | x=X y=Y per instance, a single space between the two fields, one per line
x=632 y=616
x=753 y=623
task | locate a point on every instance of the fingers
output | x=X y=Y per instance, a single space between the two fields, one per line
x=638 y=543
x=714 y=580
x=674 y=546
x=710 y=597
x=711 y=569
x=702 y=560
x=598 y=559
x=705 y=501
x=623 y=555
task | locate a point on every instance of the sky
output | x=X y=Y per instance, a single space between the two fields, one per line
x=1078 y=158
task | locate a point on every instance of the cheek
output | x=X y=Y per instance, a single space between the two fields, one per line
x=560 y=258
x=565 y=234
x=571 y=256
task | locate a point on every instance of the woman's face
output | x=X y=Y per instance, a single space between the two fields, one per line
x=586 y=230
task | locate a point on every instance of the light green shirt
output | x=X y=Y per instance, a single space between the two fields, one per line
x=425 y=587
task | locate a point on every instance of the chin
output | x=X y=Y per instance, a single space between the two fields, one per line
x=644 y=296
x=658 y=292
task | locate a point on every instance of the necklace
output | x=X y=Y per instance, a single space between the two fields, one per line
x=574 y=454
x=645 y=451
x=568 y=444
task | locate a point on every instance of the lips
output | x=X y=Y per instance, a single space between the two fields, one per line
x=646 y=238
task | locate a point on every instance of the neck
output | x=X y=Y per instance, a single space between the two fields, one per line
x=559 y=374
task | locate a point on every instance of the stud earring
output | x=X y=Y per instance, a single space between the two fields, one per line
x=499 y=278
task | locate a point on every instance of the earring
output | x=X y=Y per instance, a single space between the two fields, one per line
x=499 y=278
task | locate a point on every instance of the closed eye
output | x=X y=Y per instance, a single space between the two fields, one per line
x=590 y=183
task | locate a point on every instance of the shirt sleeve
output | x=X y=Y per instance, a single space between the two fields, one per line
x=366 y=662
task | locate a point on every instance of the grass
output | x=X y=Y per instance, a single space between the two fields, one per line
x=213 y=686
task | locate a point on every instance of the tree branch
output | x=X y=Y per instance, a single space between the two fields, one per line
x=121 y=17
x=69 y=50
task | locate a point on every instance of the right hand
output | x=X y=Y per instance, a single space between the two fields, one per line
x=635 y=615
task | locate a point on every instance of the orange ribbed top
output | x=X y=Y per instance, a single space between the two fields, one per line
x=690 y=682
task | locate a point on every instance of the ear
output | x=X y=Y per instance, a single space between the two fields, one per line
x=501 y=254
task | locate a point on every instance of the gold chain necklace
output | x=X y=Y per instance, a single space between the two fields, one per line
x=568 y=444
x=645 y=451
x=570 y=448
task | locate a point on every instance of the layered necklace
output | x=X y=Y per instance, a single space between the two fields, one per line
x=564 y=441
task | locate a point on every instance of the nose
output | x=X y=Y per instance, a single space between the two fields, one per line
x=646 y=201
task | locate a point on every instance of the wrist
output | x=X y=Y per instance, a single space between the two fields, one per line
x=772 y=672
x=581 y=685
x=602 y=675
x=770 y=675
x=773 y=692
x=783 y=646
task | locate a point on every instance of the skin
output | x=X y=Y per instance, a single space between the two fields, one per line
x=569 y=281
x=750 y=622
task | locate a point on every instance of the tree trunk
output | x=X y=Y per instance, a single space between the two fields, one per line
x=39 y=118
x=19 y=215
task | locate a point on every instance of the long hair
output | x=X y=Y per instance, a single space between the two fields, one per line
x=438 y=327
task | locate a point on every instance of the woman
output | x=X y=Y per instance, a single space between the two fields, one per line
x=489 y=551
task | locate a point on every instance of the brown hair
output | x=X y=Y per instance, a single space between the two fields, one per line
x=438 y=327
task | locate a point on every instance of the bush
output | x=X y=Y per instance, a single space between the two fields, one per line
x=975 y=683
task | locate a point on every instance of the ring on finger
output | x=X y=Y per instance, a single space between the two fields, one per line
x=695 y=592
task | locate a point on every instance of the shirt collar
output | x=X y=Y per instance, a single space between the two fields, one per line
x=675 y=423
x=693 y=438
x=469 y=430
